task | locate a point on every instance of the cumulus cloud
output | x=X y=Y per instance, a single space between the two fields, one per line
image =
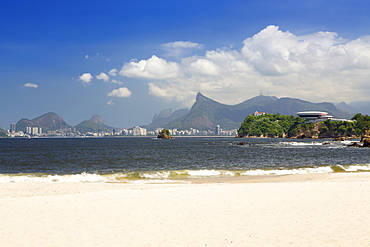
x=31 y=85
x=321 y=66
x=153 y=68
x=122 y=92
x=113 y=72
x=110 y=102
x=103 y=76
x=179 y=48
x=85 y=79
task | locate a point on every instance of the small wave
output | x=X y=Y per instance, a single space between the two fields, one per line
x=304 y=143
x=178 y=176
x=355 y=168
x=83 y=177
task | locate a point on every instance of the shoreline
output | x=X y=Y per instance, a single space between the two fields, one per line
x=330 y=209
x=46 y=188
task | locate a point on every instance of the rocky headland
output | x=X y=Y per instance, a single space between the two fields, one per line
x=165 y=134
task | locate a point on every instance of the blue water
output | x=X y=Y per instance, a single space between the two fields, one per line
x=140 y=158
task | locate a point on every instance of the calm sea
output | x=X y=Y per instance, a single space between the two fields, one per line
x=150 y=159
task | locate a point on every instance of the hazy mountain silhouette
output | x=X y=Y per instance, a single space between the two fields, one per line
x=49 y=121
x=207 y=113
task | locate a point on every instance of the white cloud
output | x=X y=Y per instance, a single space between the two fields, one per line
x=85 y=79
x=122 y=92
x=318 y=67
x=110 y=102
x=153 y=68
x=113 y=72
x=204 y=66
x=179 y=48
x=31 y=85
x=182 y=44
x=103 y=76
x=96 y=56
x=117 y=82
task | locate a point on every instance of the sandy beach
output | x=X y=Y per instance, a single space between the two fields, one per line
x=295 y=210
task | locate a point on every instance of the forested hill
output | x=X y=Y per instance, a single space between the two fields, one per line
x=95 y=124
x=49 y=121
x=276 y=125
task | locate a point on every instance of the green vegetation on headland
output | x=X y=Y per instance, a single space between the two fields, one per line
x=165 y=134
x=276 y=125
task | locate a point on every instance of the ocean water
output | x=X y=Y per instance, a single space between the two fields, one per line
x=158 y=160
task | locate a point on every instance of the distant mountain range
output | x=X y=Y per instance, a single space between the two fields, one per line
x=52 y=121
x=362 y=107
x=164 y=117
x=205 y=114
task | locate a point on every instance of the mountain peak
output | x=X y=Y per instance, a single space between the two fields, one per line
x=201 y=97
x=96 y=119
x=95 y=124
x=49 y=121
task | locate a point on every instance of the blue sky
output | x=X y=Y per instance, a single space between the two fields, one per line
x=127 y=60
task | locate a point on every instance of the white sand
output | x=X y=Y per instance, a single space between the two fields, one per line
x=298 y=210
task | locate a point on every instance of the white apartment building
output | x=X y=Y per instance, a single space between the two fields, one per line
x=33 y=130
x=137 y=131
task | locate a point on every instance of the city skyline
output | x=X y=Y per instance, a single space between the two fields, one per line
x=126 y=61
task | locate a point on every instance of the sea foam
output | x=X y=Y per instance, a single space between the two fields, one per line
x=175 y=175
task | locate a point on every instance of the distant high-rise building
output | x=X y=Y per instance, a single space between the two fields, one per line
x=35 y=130
x=12 y=127
x=217 y=130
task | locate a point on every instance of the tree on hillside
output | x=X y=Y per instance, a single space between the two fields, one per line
x=276 y=125
x=269 y=125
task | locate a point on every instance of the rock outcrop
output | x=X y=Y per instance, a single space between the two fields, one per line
x=366 y=143
x=164 y=136
x=365 y=134
x=365 y=138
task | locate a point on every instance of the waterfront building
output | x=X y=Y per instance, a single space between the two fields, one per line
x=12 y=128
x=35 y=131
x=217 y=130
x=138 y=131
